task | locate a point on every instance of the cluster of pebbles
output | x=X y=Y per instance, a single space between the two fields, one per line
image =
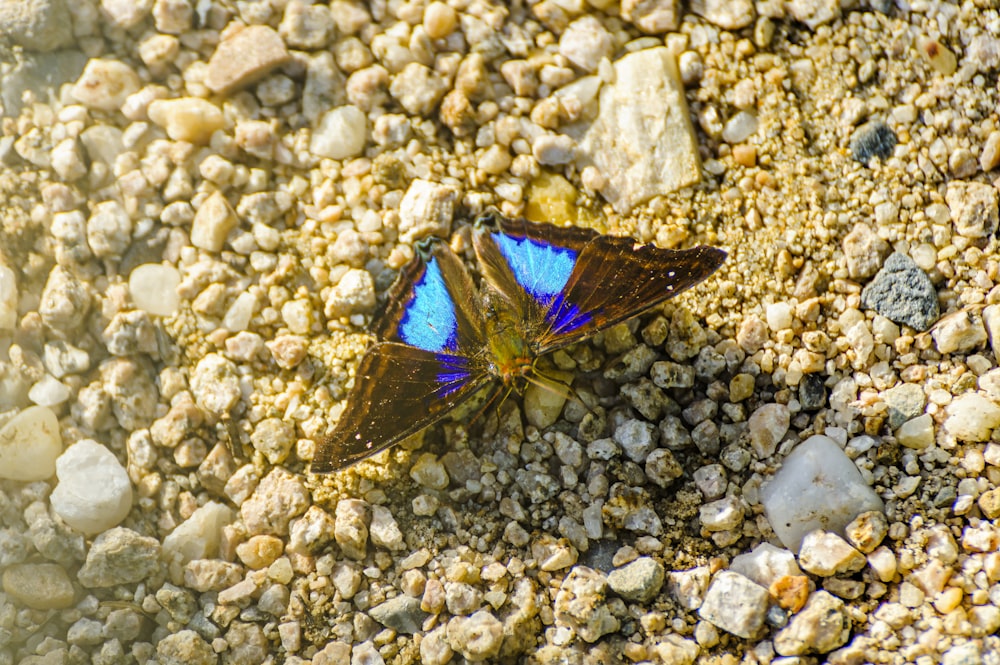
x=202 y=205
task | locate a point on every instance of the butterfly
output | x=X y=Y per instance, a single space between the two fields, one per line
x=441 y=340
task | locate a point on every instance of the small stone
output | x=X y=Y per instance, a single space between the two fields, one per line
x=384 y=531
x=153 y=288
x=402 y=614
x=652 y=16
x=418 y=89
x=553 y=149
x=580 y=604
x=940 y=57
x=989 y=158
x=989 y=503
x=766 y=564
x=185 y=647
x=542 y=405
x=817 y=487
x=779 y=316
x=902 y=293
x=864 y=251
x=725 y=514
x=273 y=438
x=429 y=472
x=104 y=85
x=662 y=467
x=812 y=392
x=688 y=587
x=306 y=26
x=872 y=139
x=767 y=426
x=426 y=209
x=40 y=586
x=440 y=20
x=974 y=208
x=916 y=433
x=197 y=537
x=30 y=443
x=477 y=637
x=727 y=14
x=883 y=563
x=244 y=57
x=905 y=401
x=278 y=499
x=120 y=556
x=971 y=417
x=259 y=551
x=351 y=527
x=353 y=294
x=636 y=438
x=644 y=106
x=867 y=531
x=639 y=581
x=960 y=332
x=740 y=127
x=813 y=13
x=211 y=575
x=735 y=604
x=94 y=492
x=341 y=134
x=585 y=42
x=190 y=119
x=822 y=626
x=827 y=554
x=213 y=222
x=215 y=384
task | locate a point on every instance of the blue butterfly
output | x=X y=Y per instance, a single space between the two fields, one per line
x=441 y=340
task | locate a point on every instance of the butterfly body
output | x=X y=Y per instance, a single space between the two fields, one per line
x=443 y=340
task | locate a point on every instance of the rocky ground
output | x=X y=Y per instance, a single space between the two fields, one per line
x=205 y=202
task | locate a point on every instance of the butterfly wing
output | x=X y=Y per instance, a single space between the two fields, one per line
x=572 y=283
x=399 y=390
x=426 y=363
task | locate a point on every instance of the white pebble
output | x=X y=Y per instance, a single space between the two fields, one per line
x=341 y=134
x=49 y=391
x=740 y=127
x=779 y=316
x=971 y=417
x=94 y=493
x=916 y=433
x=30 y=442
x=8 y=298
x=105 y=84
x=153 y=288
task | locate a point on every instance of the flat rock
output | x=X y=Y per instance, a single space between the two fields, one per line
x=902 y=293
x=243 y=57
x=40 y=586
x=402 y=614
x=120 y=556
x=642 y=141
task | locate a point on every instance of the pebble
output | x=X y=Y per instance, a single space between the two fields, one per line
x=644 y=106
x=652 y=16
x=765 y=564
x=40 y=586
x=94 y=492
x=553 y=149
x=384 y=531
x=917 y=433
x=902 y=293
x=767 y=426
x=273 y=438
x=37 y=26
x=727 y=14
x=30 y=443
x=215 y=384
x=974 y=208
x=905 y=402
x=65 y=301
x=418 y=89
x=259 y=551
x=427 y=208
x=580 y=604
x=827 y=554
x=306 y=26
x=638 y=581
x=211 y=575
x=213 y=221
x=959 y=332
x=353 y=294
x=662 y=467
x=740 y=127
x=402 y=614
x=817 y=487
x=197 y=537
x=812 y=392
x=185 y=647
x=873 y=139
x=104 y=85
x=279 y=498
x=822 y=626
x=637 y=439
x=542 y=405
x=153 y=288
x=867 y=531
x=429 y=472
x=585 y=42
x=8 y=298
x=779 y=316
x=864 y=251
x=477 y=637
x=188 y=119
x=735 y=604
x=120 y=556
x=971 y=417
x=342 y=133
x=350 y=529
x=723 y=515
x=244 y=57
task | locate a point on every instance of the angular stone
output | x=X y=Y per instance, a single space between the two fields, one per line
x=244 y=57
x=902 y=293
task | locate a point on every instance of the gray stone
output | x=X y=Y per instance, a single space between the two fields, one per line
x=640 y=580
x=905 y=401
x=120 y=556
x=402 y=614
x=37 y=25
x=902 y=293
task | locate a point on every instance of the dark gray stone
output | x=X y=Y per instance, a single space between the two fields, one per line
x=903 y=293
x=812 y=392
x=873 y=139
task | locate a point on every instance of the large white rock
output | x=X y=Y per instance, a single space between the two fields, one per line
x=94 y=493
x=817 y=487
x=30 y=442
x=642 y=141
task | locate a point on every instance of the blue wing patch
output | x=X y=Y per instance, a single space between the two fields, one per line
x=452 y=376
x=429 y=320
x=541 y=269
